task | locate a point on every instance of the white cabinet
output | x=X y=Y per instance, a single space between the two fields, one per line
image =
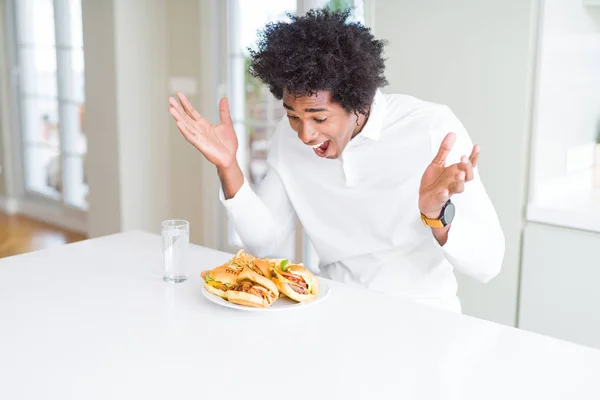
x=560 y=281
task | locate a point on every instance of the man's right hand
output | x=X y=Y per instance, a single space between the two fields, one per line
x=218 y=143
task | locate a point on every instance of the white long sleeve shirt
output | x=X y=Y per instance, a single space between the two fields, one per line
x=361 y=211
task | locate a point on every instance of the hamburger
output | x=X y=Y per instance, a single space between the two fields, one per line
x=295 y=281
x=252 y=289
x=218 y=280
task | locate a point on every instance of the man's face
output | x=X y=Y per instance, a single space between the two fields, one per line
x=321 y=124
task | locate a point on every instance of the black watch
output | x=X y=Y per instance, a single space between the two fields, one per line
x=445 y=218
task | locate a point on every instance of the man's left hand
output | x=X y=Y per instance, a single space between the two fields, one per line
x=439 y=182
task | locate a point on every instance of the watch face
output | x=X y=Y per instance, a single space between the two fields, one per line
x=448 y=213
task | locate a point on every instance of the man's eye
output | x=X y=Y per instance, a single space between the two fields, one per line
x=292 y=117
x=320 y=121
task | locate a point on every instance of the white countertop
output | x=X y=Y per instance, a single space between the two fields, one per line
x=94 y=320
x=570 y=201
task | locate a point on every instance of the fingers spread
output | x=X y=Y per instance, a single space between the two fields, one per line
x=180 y=115
x=176 y=114
x=457 y=187
x=474 y=155
x=443 y=195
x=458 y=184
x=466 y=166
x=186 y=132
x=224 y=111
x=188 y=108
x=445 y=149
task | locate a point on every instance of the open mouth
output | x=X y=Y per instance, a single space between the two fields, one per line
x=321 y=148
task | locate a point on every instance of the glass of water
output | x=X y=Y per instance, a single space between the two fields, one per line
x=175 y=244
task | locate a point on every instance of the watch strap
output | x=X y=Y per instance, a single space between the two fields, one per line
x=431 y=222
x=436 y=222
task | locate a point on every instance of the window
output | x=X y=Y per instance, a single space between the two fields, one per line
x=254 y=110
x=49 y=56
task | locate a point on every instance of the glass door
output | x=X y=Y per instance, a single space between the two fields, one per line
x=49 y=61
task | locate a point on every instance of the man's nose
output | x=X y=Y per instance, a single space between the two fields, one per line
x=307 y=134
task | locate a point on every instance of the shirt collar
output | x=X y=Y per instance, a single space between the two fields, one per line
x=372 y=128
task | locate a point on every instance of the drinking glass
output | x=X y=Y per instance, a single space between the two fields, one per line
x=175 y=244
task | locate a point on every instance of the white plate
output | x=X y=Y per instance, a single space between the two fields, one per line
x=282 y=303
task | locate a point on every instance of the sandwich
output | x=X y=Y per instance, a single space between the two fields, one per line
x=295 y=281
x=263 y=267
x=219 y=280
x=252 y=289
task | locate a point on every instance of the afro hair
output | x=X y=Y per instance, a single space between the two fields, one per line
x=321 y=51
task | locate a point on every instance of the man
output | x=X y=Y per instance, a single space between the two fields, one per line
x=376 y=180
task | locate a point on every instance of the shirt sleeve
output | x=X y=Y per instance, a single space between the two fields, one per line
x=475 y=244
x=263 y=219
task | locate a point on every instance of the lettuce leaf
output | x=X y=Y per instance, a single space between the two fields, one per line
x=283 y=264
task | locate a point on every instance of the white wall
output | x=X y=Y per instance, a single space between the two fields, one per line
x=126 y=78
x=567 y=108
x=475 y=56
x=193 y=47
x=184 y=60
x=141 y=169
x=141 y=94
x=102 y=161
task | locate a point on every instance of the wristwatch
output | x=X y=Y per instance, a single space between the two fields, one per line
x=445 y=218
